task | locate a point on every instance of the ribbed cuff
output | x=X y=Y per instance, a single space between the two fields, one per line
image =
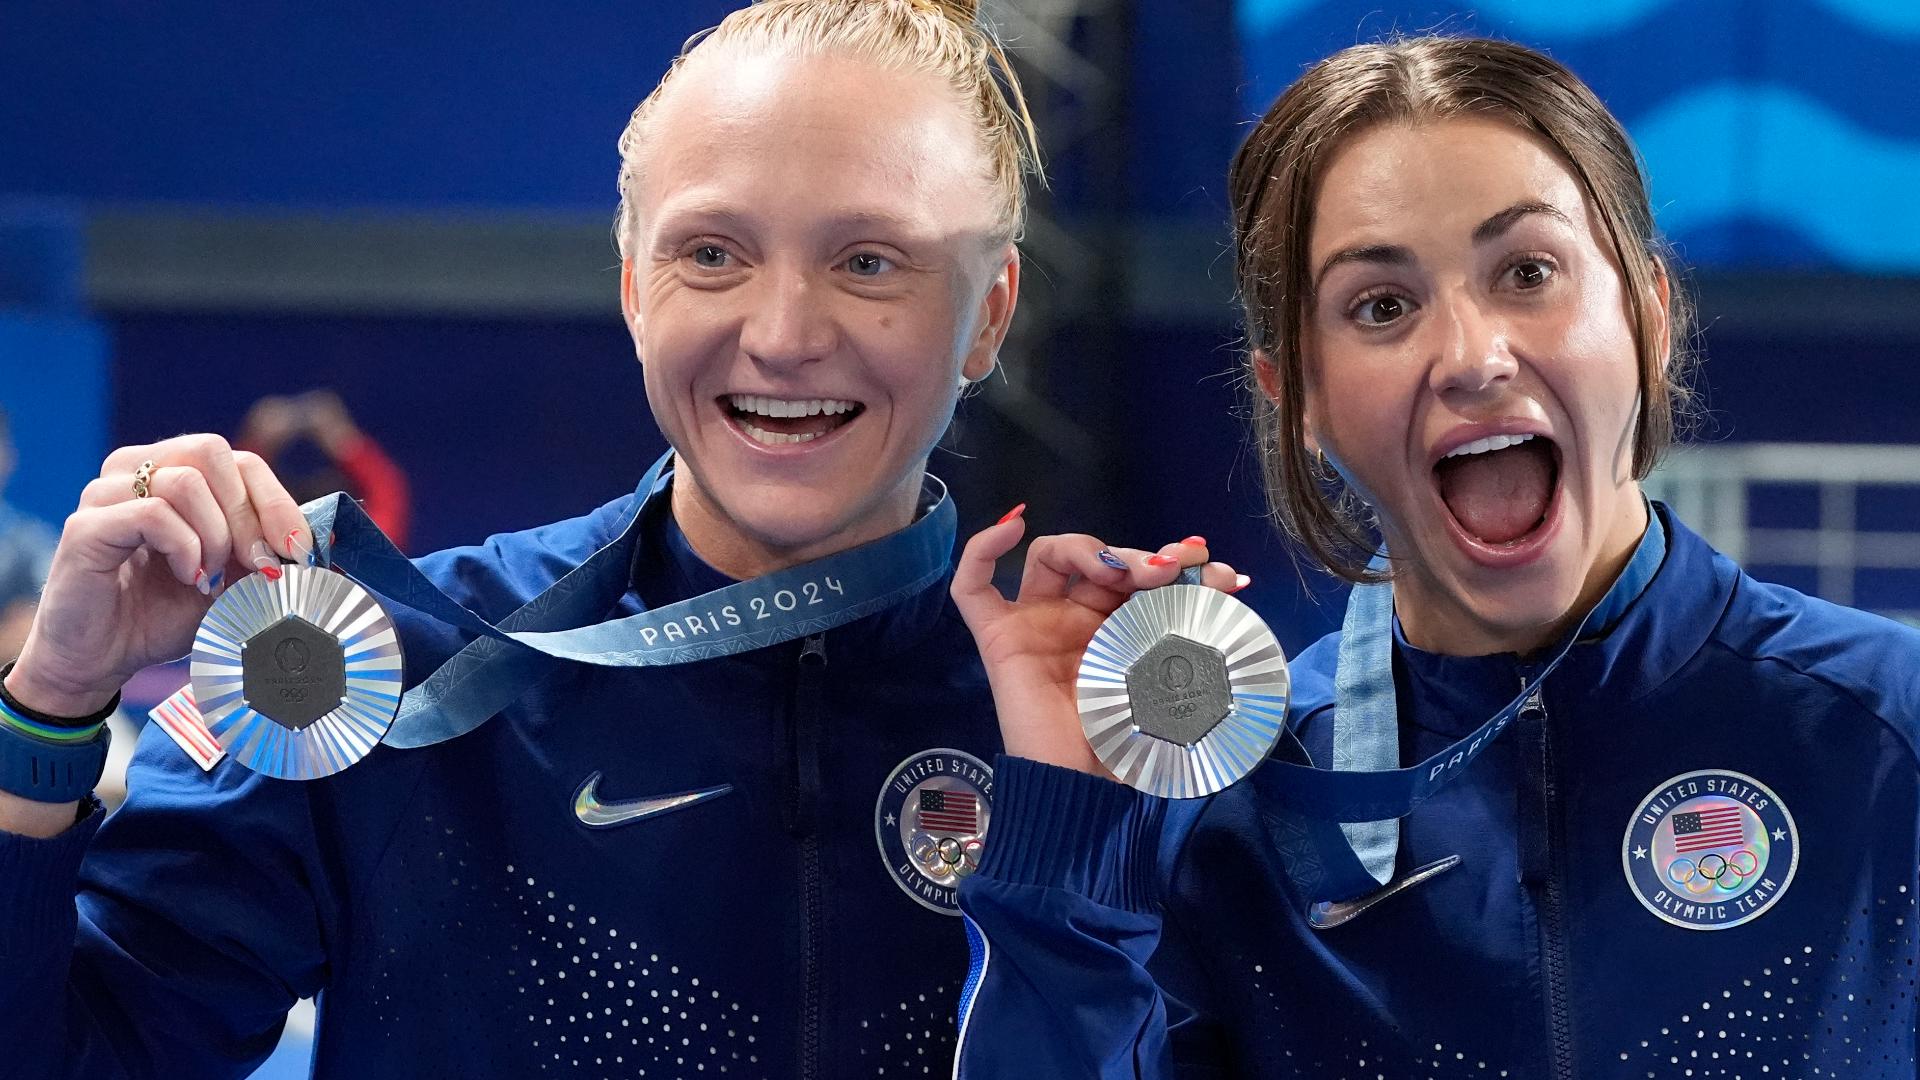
x=38 y=879
x=1064 y=829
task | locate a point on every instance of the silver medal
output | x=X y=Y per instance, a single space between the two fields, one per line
x=1183 y=691
x=298 y=677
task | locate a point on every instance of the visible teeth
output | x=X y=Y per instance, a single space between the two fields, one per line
x=1490 y=443
x=777 y=438
x=782 y=407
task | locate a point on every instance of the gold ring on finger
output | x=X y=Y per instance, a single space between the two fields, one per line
x=143 y=479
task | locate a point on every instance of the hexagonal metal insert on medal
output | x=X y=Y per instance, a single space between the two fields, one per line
x=1179 y=690
x=293 y=672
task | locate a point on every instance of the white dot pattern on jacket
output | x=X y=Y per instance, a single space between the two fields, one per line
x=1804 y=1012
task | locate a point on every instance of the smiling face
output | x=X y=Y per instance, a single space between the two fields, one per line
x=817 y=264
x=1472 y=371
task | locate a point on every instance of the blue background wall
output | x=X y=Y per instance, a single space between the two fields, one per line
x=330 y=106
x=1778 y=134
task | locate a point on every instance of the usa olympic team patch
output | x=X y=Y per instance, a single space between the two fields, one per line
x=931 y=822
x=1710 y=850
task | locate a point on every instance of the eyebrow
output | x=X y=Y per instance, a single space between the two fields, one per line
x=1378 y=254
x=699 y=213
x=1497 y=225
x=1394 y=255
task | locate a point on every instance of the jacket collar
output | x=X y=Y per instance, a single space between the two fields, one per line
x=667 y=570
x=1653 y=638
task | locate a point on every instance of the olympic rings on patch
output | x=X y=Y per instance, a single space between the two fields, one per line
x=946 y=857
x=1728 y=873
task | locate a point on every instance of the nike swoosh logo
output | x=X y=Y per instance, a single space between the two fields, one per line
x=1328 y=914
x=595 y=814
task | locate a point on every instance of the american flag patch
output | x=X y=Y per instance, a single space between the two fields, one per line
x=179 y=717
x=1712 y=827
x=949 y=811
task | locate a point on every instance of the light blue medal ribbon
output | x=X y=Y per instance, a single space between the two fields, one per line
x=496 y=667
x=1364 y=793
x=1366 y=722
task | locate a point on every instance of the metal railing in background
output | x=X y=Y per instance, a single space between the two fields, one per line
x=1798 y=505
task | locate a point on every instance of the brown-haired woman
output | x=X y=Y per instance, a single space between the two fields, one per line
x=1666 y=814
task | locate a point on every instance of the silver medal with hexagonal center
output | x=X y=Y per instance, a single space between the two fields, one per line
x=297 y=677
x=1183 y=691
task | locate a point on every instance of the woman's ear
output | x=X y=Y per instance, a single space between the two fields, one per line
x=1266 y=373
x=996 y=316
x=1663 y=312
x=630 y=306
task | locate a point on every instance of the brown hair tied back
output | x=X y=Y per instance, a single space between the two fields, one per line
x=1273 y=185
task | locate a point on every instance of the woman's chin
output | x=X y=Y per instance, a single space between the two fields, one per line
x=1472 y=609
x=799 y=526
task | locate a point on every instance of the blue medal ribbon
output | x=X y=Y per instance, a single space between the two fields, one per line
x=1364 y=793
x=494 y=668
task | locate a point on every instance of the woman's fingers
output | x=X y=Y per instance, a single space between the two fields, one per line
x=263 y=523
x=105 y=537
x=283 y=527
x=1076 y=567
x=185 y=490
x=1054 y=563
x=1223 y=577
x=972 y=589
x=1165 y=566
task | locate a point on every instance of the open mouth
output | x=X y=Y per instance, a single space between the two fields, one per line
x=1500 y=489
x=772 y=421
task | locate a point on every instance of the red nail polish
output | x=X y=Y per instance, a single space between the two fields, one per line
x=1161 y=560
x=1240 y=582
x=1196 y=541
x=1011 y=514
x=272 y=572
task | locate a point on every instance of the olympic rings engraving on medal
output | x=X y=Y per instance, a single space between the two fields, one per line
x=1182 y=691
x=297 y=677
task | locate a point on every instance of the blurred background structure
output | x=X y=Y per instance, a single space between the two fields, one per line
x=206 y=205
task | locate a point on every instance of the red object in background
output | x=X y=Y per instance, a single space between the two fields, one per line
x=375 y=480
x=366 y=472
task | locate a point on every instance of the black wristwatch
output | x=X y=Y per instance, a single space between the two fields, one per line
x=51 y=759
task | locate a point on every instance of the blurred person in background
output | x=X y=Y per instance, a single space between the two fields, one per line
x=358 y=465
x=26 y=551
x=1682 y=827
x=819 y=205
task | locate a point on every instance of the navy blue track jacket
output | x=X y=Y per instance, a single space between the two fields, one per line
x=456 y=919
x=1698 y=860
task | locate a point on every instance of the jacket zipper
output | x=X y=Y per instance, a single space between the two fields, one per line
x=807 y=733
x=1553 y=938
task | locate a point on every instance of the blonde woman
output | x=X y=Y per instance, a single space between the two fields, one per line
x=655 y=871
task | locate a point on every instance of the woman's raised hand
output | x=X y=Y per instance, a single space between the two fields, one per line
x=1032 y=645
x=133 y=576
